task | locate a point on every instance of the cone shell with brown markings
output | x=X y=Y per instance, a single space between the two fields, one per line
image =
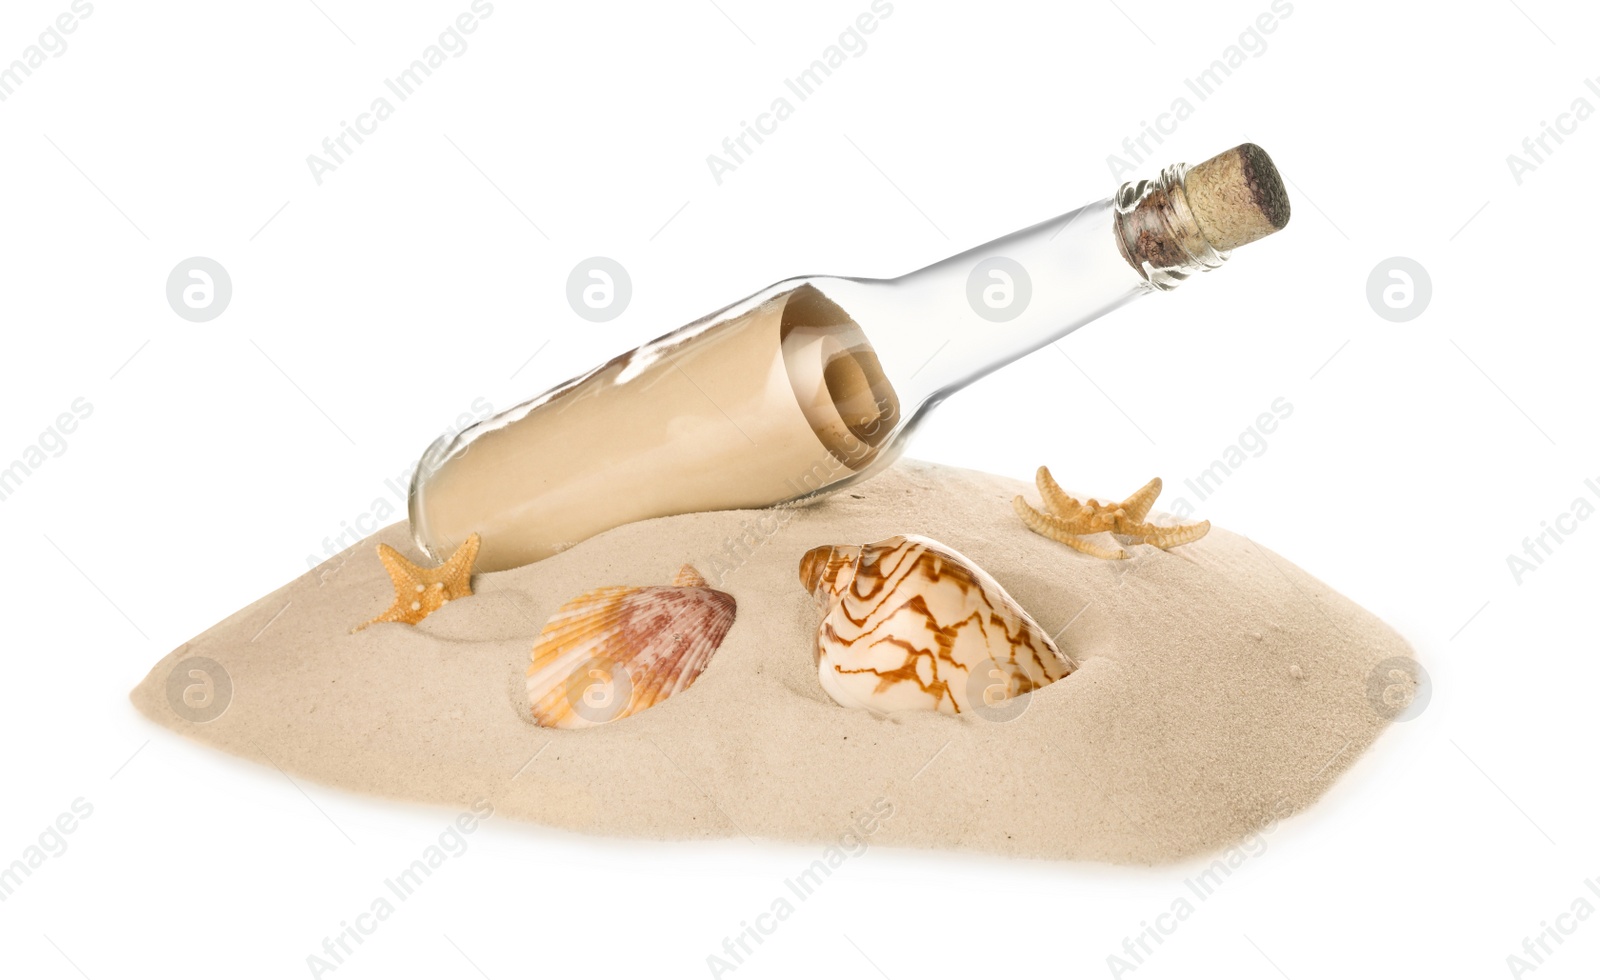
x=911 y=624
x=615 y=651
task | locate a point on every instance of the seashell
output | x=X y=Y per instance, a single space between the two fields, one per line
x=911 y=624
x=615 y=651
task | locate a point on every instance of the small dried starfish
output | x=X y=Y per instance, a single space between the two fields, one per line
x=419 y=591
x=1068 y=520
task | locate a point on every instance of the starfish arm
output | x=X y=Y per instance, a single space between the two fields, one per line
x=1091 y=548
x=1082 y=524
x=1138 y=505
x=456 y=574
x=393 y=614
x=1058 y=530
x=463 y=558
x=1166 y=537
x=1057 y=501
x=402 y=572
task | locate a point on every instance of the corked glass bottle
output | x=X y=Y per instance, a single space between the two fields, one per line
x=816 y=383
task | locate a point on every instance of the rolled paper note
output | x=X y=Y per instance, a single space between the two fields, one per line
x=759 y=408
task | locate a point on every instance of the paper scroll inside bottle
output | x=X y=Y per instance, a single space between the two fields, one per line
x=769 y=405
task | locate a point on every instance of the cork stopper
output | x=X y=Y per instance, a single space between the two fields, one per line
x=1237 y=197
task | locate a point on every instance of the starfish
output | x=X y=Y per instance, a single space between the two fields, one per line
x=1068 y=520
x=419 y=591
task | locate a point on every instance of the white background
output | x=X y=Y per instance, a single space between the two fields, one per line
x=370 y=311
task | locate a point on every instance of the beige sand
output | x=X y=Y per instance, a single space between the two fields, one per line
x=1221 y=687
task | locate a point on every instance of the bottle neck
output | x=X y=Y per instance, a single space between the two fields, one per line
x=1157 y=232
x=945 y=325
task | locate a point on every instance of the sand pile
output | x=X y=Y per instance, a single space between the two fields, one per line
x=1221 y=688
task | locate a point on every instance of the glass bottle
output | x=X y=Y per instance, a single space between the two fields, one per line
x=817 y=382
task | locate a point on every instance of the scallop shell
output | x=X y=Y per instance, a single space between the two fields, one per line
x=615 y=651
x=911 y=624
